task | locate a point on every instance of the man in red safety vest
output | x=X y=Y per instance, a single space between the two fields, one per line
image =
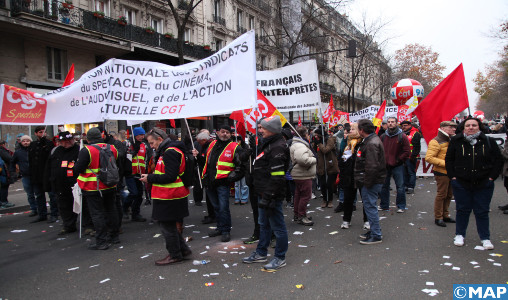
x=140 y=154
x=414 y=137
x=100 y=197
x=222 y=167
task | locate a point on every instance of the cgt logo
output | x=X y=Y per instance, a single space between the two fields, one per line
x=480 y=291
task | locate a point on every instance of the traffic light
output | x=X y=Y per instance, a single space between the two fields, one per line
x=351 y=49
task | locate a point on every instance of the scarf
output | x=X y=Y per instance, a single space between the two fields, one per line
x=473 y=138
x=352 y=141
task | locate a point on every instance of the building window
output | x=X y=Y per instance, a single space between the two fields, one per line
x=217 y=12
x=130 y=15
x=262 y=63
x=239 y=21
x=219 y=44
x=157 y=24
x=187 y=35
x=102 y=5
x=252 y=24
x=57 y=63
x=262 y=32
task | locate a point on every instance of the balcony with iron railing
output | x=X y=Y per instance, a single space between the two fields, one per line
x=66 y=13
x=241 y=29
x=219 y=20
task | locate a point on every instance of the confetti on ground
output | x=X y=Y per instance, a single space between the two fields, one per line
x=381 y=218
x=429 y=283
x=222 y=251
x=243 y=247
x=298 y=233
x=446 y=257
x=490 y=259
x=189 y=226
x=476 y=267
x=497 y=264
x=60 y=239
x=144 y=256
x=268 y=271
x=300 y=286
x=94 y=266
x=424 y=271
x=225 y=248
x=207 y=247
x=447 y=264
x=456 y=268
x=479 y=248
x=160 y=277
x=214 y=274
x=203 y=252
x=209 y=284
x=226 y=266
x=422 y=228
x=102 y=281
x=157 y=235
x=306 y=261
x=473 y=262
x=302 y=246
x=411 y=224
x=333 y=232
x=18 y=230
x=496 y=254
x=121 y=259
x=328 y=217
x=72 y=269
x=193 y=270
x=337 y=262
x=430 y=292
x=504 y=242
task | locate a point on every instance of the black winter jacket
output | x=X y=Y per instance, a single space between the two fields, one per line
x=270 y=168
x=473 y=165
x=20 y=158
x=59 y=173
x=37 y=157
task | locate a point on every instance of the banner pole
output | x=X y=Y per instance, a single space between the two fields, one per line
x=190 y=136
x=236 y=139
x=323 y=136
x=290 y=125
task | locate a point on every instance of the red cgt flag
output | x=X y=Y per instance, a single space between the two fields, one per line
x=250 y=116
x=443 y=103
x=69 y=79
x=329 y=111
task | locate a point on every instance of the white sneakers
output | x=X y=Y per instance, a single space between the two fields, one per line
x=487 y=245
x=400 y=210
x=345 y=225
x=366 y=226
x=458 y=240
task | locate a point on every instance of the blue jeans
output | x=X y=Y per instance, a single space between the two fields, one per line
x=135 y=197
x=219 y=197
x=40 y=197
x=410 y=174
x=27 y=186
x=369 y=198
x=272 y=220
x=241 y=191
x=476 y=199
x=398 y=176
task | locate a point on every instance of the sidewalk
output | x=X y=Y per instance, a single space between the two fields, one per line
x=18 y=197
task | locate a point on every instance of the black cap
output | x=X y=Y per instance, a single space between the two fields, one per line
x=65 y=135
x=226 y=127
x=405 y=122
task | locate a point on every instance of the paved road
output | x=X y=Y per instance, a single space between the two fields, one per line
x=414 y=254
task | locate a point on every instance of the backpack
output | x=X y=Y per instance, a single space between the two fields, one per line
x=108 y=170
x=190 y=169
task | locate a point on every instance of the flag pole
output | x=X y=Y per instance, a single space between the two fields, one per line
x=290 y=125
x=323 y=137
x=190 y=136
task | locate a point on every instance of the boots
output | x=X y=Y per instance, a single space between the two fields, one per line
x=323 y=204
x=339 y=207
x=305 y=221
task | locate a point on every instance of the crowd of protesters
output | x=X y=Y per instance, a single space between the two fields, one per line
x=351 y=162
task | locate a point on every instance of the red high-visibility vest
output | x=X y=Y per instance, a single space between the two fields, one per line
x=138 y=161
x=225 y=162
x=87 y=181
x=410 y=138
x=173 y=190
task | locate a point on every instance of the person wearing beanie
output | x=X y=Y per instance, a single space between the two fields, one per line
x=101 y=198
x=269 y=172
x=20 y=162
x=139 y=153
x=222 y=166
x=38 y=154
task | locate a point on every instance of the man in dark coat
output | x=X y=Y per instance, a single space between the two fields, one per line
x=169 y=194
x=38 y=154
x=60 y=178
x=20 y=159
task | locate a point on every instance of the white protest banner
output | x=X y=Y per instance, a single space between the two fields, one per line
x=295 y=87
x=139 y=90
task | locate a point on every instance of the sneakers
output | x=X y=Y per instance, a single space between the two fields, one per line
x=98 y=247
x=366 y=226
x=345 y=225
x=371 y=240
x=214 y=233
x=305 y=221
x=401 y=211
x=254 y=258
x=487 y=245
x=313 y=196
x=459 y=240
x=365 y=235
x=7 y=204
x=410 y=191
x=275 y=264
x=253 y=239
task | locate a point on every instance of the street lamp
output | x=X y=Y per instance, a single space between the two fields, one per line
x=351 y=53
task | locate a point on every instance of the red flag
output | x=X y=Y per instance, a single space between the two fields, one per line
x=299 y=121
x=339 y=117
x=329 y=110
x=240 y=129
x=172 y=122
x=250 y=116
x=443 y=103
x=379 y=116
x=69 y=79
x=402 y=114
